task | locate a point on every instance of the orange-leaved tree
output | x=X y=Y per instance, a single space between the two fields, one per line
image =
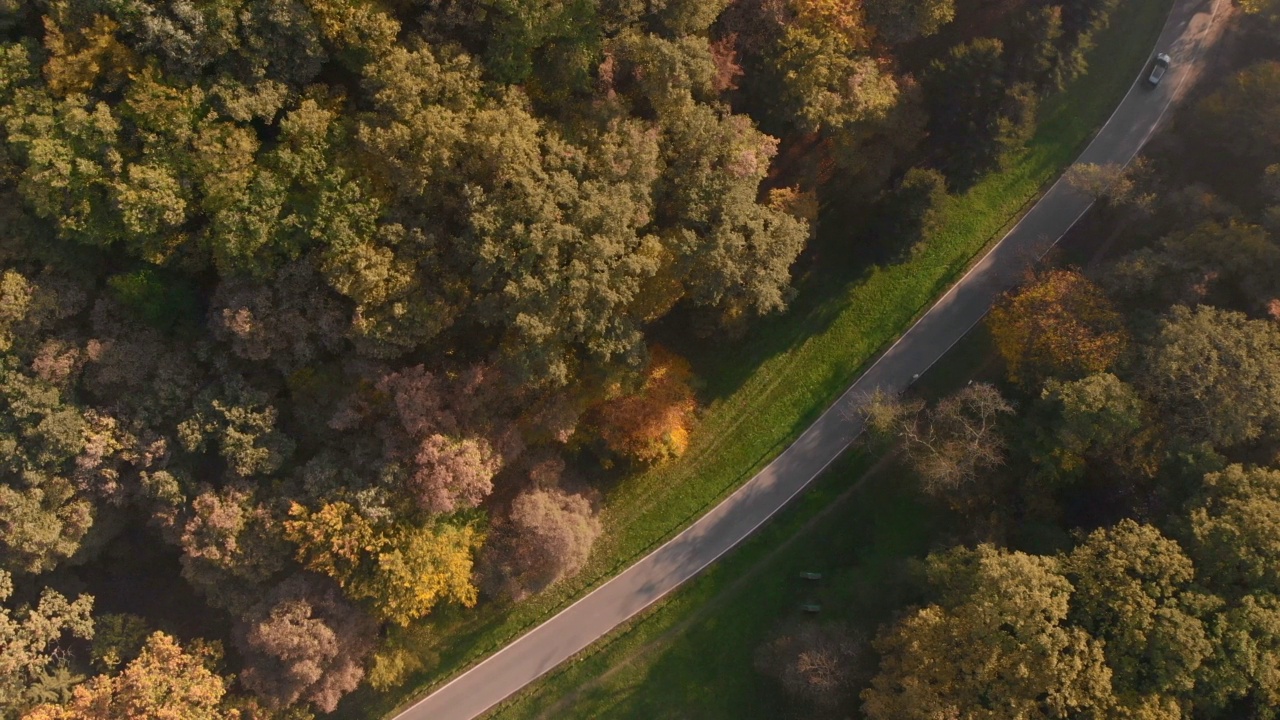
x=165 y=682
x=1058 y=325
x=653 y=423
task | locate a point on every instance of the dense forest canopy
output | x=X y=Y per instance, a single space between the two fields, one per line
x=334 y=297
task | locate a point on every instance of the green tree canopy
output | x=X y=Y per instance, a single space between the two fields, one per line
x=1234 y=525
x=1214 y=374
x=1229 y=265
x=1100 y=423
x=897 y=21
x=1133 y=590
x=42 y=515
x=1234 y=118
x=995 y=645
x=830 y=88
x=31 y=641
x=974 y=109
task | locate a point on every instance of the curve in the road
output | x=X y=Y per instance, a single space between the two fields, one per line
x=724 y=526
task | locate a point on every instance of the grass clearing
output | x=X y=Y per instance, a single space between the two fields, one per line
x=692 y=657
x=766 y=391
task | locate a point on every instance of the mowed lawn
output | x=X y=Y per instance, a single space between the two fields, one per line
x=693 y=656
x=762 y=393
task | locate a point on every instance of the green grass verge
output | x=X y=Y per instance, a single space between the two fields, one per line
x=692 y=657
x=768 y=390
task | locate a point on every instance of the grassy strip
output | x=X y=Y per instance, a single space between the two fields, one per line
x=692 y=657
x=765 y=394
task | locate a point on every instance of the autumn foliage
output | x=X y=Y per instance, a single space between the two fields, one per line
x=546 y=538
x=403 y=569
x=653 y=423
x=318 y=294
x=836 y=18
x=304 y=641
x=1125 y=564
x=1061 y=325
x=165 y=682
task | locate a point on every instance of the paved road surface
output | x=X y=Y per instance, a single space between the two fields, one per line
x=546 y=646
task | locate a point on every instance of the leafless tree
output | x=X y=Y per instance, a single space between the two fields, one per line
x=815 y=663
x=951 y=443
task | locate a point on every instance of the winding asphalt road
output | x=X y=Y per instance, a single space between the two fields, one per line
x=1186 y=33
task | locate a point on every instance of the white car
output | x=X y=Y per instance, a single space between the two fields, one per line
x=1158 y=69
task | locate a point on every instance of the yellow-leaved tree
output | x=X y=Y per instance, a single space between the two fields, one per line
x=842 y=20
x=333 y=540
x=421 y=567
x=165 y=682
x=1058 y=325
x=79 y=57
x=1268 y=9
x=403 y=569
